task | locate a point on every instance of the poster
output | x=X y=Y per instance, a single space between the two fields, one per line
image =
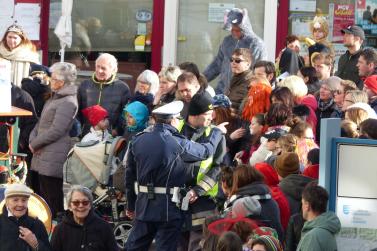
x=216 y=11
x=342 y=17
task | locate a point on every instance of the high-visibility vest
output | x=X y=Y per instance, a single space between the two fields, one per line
x=208 y=184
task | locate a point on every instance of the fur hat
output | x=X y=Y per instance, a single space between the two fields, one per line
x=258 y=100
x=94 y=114
x=320 y=22
x=287 y=163
x=371 y=83
x=17 y=190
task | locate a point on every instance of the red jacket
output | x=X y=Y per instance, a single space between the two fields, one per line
x=271 y=179
x=312 y=171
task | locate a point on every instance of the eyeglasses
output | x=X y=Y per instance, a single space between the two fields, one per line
x=77 y=203
x=236 y=60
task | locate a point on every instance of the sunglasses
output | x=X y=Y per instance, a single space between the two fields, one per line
x=236 y=60
x=338 y=92
x=77 y=203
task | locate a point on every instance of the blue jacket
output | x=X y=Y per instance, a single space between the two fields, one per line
x=221 y=63
x=159 y=157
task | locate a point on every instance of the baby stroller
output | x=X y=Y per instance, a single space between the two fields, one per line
x=93 y=164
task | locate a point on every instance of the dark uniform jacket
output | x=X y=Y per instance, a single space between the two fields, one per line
x=158 y=157
x=347 y=68
x=9 y=233
x=95 y=235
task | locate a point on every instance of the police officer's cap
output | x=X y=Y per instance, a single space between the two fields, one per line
x=169 y=110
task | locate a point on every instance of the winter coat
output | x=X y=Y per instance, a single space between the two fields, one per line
x=9 y=233
x=270 y=214
x=373 y=104
x=290 y=62
x=239 y=87
x=159 y=157
x=221 y=63
x=324 y=111
x=311 y=102
x=293 y=233
x=94 y=235
x=319 y=234
x=22 y=99
x=347 y=68
x=272 y=180
x=50 y=137
x=38 y=91
x=112 y=95
x=292 y=186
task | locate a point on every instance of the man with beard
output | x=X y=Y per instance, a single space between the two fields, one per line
x=353 y=37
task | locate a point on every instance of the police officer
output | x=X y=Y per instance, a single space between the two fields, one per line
x=203 y=175
x=154 y=173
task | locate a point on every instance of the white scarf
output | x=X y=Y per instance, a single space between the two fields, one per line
x=20 y=58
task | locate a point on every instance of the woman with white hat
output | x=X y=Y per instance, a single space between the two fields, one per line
x=19 y=231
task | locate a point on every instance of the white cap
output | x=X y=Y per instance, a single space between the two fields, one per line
x=169 y=110
x=366 y=107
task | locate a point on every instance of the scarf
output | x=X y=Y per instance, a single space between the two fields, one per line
x=20 y=59
x=323 y=106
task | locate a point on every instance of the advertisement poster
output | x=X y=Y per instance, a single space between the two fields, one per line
x=344 y=16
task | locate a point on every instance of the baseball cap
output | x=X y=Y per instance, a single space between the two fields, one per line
x=354 y=30
x=274 y=134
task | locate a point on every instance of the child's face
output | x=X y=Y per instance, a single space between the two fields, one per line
x=255 y=128
x=130 y=120
x=103 y=124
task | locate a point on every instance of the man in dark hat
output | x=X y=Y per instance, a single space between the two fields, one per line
x=154 y=175
x=203 y=176
x=353 y=38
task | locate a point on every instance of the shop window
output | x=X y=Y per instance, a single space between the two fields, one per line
x=111 y=26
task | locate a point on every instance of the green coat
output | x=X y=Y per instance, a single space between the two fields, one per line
x=319 y=234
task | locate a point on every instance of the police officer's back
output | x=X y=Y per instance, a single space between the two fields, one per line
x=155 y=162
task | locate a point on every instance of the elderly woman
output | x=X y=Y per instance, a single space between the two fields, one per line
x=81 y=228
x=20 y=51
x=168 y=85
x=49 y=140
x=19 y=231
x=146 y=87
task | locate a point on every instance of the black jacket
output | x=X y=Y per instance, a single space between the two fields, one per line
x=112 y=96
x=38 y=91
x=347 y=68
x=292 y=186
x=270 y=213
x=96 y=234
x=293 y=234
x=9 y=233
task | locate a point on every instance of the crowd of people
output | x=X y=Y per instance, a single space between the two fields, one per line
x=234 y=168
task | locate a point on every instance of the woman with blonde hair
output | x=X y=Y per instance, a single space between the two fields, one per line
x=168 y=85
x=359 y=112
x=20 y=51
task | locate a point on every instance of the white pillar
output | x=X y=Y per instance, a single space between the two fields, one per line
x=270 y=26
x=169 y=48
